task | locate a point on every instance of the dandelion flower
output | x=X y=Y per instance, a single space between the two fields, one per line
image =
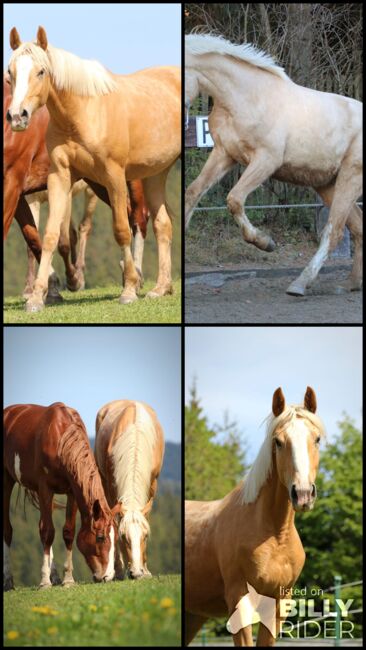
x=12 y=634
x=166 y=602
x=93 y=608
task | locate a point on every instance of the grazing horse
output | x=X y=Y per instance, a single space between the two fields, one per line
x=263 y=120
x=107 y=128
x=26 y=167
x=129 y=450
x=47 y=451
x=249 y=536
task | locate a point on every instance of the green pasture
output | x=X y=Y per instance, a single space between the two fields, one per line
x=129 y=613
x=100 y=305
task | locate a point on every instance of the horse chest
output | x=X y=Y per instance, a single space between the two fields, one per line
x=225 y=135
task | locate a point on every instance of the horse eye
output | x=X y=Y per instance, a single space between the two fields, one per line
x=41 y=73
x=278 y=443
x=317 y=440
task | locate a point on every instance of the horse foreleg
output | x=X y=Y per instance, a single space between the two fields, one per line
x=8 y=530
x=119 y=565
x=348 y=188
x=216 y=166
x=154 y=190
x=34 y=207
x=84 y=232
x=59 y=185
x=68 y=533
x=138 y=252
x=12 y=190
x=192 y=625
x=47 y=533
x=354 y=223
x=261 y=167
x=117 y=191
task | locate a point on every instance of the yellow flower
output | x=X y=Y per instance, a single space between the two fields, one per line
x=153 y=600
x=52 y=630
x=93 y=608
x=12 y=634
x=47 y=611
x=166 y=602
x=145 y=616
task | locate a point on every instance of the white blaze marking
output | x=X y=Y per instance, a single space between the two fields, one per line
x=135 y=537
x=17 y=467
x=300 y=453
x=110 y=568
x=24 y=64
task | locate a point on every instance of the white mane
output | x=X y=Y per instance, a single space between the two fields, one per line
x=262 y=466
x=132 y=461
x=68 y=71
x=207 y=43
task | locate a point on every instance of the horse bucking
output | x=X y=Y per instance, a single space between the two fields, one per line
x=276 y=128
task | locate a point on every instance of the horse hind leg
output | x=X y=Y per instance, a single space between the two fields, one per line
x=154 y=191
x=8 y=530
x=192 y=625
x=68 y=534
x=84 y=231
x=347 y=189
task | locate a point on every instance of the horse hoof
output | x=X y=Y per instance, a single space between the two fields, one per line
x=127 y=299
x=68 y=583
x=159 y=292
x=8 y=584
x=46 y=585
x=54 y=299
x=295 y=290
x=33 y=307
x=270 y=246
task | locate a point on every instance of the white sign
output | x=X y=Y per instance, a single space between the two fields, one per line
x=203 y=133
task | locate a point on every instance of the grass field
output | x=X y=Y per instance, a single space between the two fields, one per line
x=100 y=305
x=128 y=613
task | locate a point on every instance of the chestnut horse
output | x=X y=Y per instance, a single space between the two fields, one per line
x=129 y=450
x=26 y=168
x=263 y=120
x=106 y=128
x=47 y=451
x=249 y=537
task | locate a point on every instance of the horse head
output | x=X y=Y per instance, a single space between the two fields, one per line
x=96 y=541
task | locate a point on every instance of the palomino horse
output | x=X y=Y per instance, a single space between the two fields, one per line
x=47 y=451
x=26 y=167
x=263 y=120
x=249 y=536
x=106 y=128
x=129 y=450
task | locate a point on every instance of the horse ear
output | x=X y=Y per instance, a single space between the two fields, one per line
x=7 y=78
x=310 y=400
x=146 y=509
x=278 y=402
x=97 y=510
x=14 y=39
x=42 y=38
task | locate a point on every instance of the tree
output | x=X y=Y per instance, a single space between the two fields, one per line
x=212 y=467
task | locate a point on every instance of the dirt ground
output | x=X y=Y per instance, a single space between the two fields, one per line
x=254 y=290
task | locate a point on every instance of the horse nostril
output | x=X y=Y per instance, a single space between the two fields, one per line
x=24 y=113
x=8 y=116
x=313 y=491
x=293 y=493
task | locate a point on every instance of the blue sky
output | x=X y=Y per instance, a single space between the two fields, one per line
x=238 y=369
x=85 y=367
x=124 y=37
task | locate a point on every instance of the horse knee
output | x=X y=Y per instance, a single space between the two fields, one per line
x=234 y=205
x=122 y=235
x=50 y=241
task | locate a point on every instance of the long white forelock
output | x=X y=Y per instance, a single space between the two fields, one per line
x=132 y=460
x=210 y=43
x=69 y=72
x=262 y=466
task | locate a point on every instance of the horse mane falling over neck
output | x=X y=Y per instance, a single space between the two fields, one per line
x=262 y=466
x=76 y=455
x=68 y=71
x=132 y=465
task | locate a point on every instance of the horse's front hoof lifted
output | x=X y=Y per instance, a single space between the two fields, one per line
x=295 y=290
x=33 y=306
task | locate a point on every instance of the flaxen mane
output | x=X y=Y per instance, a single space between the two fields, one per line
x=68 y=71
x=262 y=466
x=208 y=43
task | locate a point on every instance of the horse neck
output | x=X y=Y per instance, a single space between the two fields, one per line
x=274 y=506
x=61 y=105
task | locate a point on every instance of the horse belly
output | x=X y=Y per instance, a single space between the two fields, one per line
x=306 y=176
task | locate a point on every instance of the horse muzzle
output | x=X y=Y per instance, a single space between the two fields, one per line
x=303 y=499
x=18 y=122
